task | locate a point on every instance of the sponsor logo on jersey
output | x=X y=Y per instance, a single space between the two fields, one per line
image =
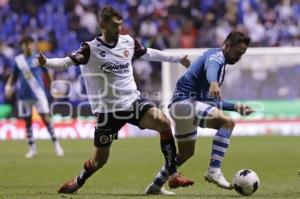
x=110 y=67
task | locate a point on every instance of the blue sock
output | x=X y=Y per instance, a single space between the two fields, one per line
x=219 y=147
x=162 y=176
x=51 y=132
x=29 y=135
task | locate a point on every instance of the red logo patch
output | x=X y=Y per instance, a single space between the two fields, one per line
x=126 y=53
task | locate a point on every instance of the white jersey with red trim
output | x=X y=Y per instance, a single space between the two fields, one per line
x=108 y=73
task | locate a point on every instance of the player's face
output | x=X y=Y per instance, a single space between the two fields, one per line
x=112 y=29
x=27 y=48
x=234 y=53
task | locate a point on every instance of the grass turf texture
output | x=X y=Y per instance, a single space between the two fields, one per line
x=134 y=163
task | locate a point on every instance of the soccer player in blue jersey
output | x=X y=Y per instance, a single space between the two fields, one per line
x=197 y=103
x=31 y=92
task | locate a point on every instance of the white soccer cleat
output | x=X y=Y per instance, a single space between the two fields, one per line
x=31 y=152
x=157 y=190
x=216 y=177
x=58 y=149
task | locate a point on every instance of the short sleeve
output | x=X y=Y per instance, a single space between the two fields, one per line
x=212 y=65
x=82 y=55
x=139 y=49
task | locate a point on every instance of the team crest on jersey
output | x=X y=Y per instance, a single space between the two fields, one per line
x=126 y=53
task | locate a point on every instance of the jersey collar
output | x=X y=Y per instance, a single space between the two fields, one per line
x=105 y=44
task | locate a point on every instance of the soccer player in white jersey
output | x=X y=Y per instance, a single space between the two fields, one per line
x=197 y=103
x=31 y=93
x=106 y=64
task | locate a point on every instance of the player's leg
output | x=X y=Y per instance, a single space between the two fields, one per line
x=98 y=160
x=224 y=125
x=25 y=112
x=155 y=119
x=185 y=133
x=47 y=121
x=29 y=134
x=185 y=152
x=105 y=133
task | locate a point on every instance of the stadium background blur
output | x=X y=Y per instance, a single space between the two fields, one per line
x=60 y=26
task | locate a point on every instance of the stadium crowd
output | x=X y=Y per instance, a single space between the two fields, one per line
x=60 y=26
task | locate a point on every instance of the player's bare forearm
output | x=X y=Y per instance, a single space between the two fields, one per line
x=12 y=80
x=8 y=90
x=214 y=89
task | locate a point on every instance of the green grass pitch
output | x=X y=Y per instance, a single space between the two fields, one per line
x=134 y=163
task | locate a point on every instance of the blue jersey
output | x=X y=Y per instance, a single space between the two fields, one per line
x=195 y=82
x=24 y=90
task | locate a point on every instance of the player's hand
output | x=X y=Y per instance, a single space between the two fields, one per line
x=41 y=58
x=244 y=109
x=8 y=91
x=214 y=90
x=185 y=61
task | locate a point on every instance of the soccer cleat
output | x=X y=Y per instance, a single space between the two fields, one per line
x=58 y=149
x=179 y=180
x=157 y=190
x=217 y=178
x=69 y=187
x=31 y=152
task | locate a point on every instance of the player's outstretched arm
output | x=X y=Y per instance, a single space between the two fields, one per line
x=54 y=62
x=8 y=90
x=12 y=79
x=158 y=55
x=242 y=109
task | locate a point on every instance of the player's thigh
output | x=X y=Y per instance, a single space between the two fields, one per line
x=42 y=107
x=107 y=127
x=185 y=121
x=155 y=119
x=25 y=108
x=217 y=119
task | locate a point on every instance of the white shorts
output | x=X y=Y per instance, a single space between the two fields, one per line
x=188 y=115
x=25 y=107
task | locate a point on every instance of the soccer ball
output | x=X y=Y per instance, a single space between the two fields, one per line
x=245 y=182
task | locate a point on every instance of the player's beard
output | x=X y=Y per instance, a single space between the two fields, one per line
x=232 y=61
x=112 y=38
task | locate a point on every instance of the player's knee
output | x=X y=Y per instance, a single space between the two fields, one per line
x=165 y=125
x=229 y=123
x=164 y=128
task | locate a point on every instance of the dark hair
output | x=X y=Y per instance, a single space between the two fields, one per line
x=107 y=13
x=236 y=37
x=26 y=39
